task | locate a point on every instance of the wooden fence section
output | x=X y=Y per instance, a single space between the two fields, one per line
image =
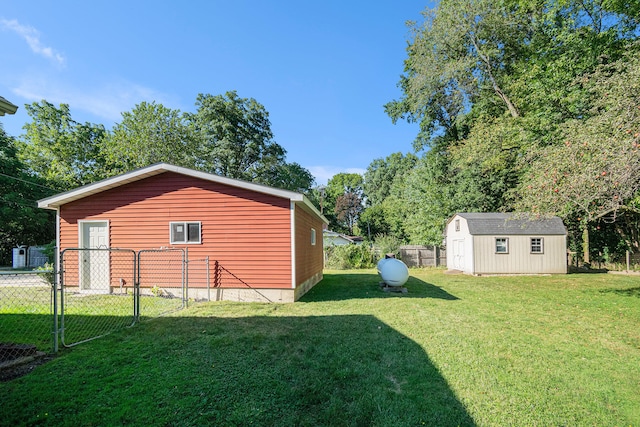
x=423 y=256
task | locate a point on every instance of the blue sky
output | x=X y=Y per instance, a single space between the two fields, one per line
x=323 y=70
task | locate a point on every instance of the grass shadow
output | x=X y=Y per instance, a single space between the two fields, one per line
x=629 y=292
x=344 y=286
x=345 y=370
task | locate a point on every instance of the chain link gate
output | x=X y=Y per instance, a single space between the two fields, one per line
x=106 y=289
x=97 y=293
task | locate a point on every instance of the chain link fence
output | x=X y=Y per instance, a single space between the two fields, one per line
x=200 y=281
x=26 y=315
x=162 y=280
x=98 y=291
x=234 y=287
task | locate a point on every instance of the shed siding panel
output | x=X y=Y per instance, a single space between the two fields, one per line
x=309 y=258
x=519 y=260
x=460 y=255
x=248 y=233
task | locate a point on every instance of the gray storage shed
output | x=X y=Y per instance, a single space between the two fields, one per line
x=506 y=243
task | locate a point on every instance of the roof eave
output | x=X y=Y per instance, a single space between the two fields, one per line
x=7 y=107
x=54 y=202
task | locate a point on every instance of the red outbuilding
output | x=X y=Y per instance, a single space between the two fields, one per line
x=267 y=239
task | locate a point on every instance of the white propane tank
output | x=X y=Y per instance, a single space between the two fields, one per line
x=393 y=271
x=379 y=265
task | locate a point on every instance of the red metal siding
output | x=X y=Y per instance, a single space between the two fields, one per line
x=248 y=233
x=309 y=258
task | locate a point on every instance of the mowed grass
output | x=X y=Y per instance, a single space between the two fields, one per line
x=455 y=350
x=26 y=314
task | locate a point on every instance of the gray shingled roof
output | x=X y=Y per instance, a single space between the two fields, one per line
x=512 y=223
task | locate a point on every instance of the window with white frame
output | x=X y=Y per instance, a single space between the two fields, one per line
x=537 y=245
x=502 y=245
x=457 y=225
x=313 y=237
x=185 y=232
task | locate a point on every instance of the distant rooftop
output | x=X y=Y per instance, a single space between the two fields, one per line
x=6 y=107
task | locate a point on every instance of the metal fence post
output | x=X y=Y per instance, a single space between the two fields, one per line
x=185 y=278
x=208 y=280
x=54 y=289
x=60 y=331
x=136 y=287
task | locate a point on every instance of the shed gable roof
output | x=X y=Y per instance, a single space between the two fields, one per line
x=512 y=223
x=58 y=200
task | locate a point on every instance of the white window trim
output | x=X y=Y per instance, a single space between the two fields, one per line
x=186 y=234
x=506 y=242
x=541 y=251
x=313 y=237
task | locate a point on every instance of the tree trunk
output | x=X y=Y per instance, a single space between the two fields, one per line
x=497 y=89
x=585 y=244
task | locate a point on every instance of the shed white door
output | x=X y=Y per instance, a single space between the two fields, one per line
x=458 y=254
x=94 y=263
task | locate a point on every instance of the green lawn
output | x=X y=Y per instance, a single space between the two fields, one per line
x=454 y=350
x=26 y=314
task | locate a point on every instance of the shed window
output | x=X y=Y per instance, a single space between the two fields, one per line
x=185 y=232
x=502 y=245
x=313 y=237
x=537 y=245
x=457 y=225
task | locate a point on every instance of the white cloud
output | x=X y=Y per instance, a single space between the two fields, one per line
x=105 y=102
x=324 y=173
x=32 y=37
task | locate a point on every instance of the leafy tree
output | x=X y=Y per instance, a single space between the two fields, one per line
x=288 y=176
x=21 y=222
x=481 y=167
x=150 y=133
x=59 y=150
x=343 y=183
x=462 y=50
x=235 y=137
x=347 y=210
x=567 y=39
x=373 y=222
x=381 y=173
x=349 y=184
x=425 y=202
x=596 y=171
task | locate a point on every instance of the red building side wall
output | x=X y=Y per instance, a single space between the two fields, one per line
x=309 y=258
x=248 y=233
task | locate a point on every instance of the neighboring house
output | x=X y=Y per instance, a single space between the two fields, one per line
x=265 y=237
x=505 y=243
x=333 y=238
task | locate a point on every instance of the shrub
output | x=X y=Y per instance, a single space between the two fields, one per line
x=47 y=272
x=387 y=244
x=350 y=256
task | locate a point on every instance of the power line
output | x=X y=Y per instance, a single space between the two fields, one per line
x=34 y=205
x=28 y=182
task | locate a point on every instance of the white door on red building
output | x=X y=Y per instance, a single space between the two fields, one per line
x=94 y=258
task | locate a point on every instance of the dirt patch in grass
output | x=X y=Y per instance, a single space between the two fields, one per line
x=17 y=360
